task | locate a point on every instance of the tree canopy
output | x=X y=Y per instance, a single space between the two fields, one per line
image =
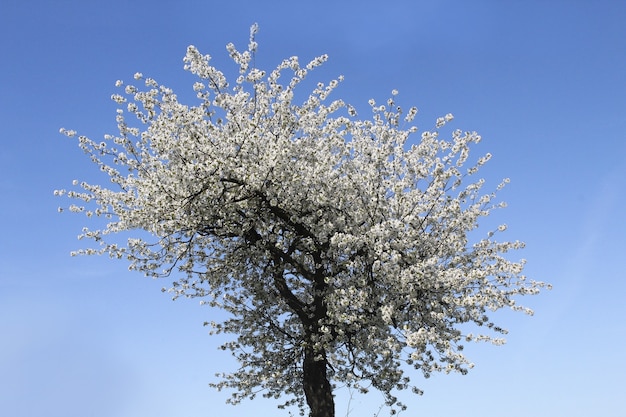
x=340 y=246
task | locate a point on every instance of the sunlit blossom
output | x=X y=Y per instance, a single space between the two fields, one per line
x=327 y=238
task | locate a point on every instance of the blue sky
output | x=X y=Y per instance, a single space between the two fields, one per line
x=544 y=82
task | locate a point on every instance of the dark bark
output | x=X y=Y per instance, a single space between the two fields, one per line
x=315 y=382
x=317 y=388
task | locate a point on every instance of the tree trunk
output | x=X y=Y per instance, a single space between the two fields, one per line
x=317 y=389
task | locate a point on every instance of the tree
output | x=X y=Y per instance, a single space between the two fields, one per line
x=339 y=246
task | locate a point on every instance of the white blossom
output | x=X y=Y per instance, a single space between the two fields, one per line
x=332 y=241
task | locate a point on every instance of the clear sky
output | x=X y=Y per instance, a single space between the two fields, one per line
x=544 y=82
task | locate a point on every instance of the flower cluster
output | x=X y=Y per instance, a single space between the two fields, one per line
x=338 y=245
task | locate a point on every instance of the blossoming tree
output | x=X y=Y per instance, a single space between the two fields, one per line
x=339 y=246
